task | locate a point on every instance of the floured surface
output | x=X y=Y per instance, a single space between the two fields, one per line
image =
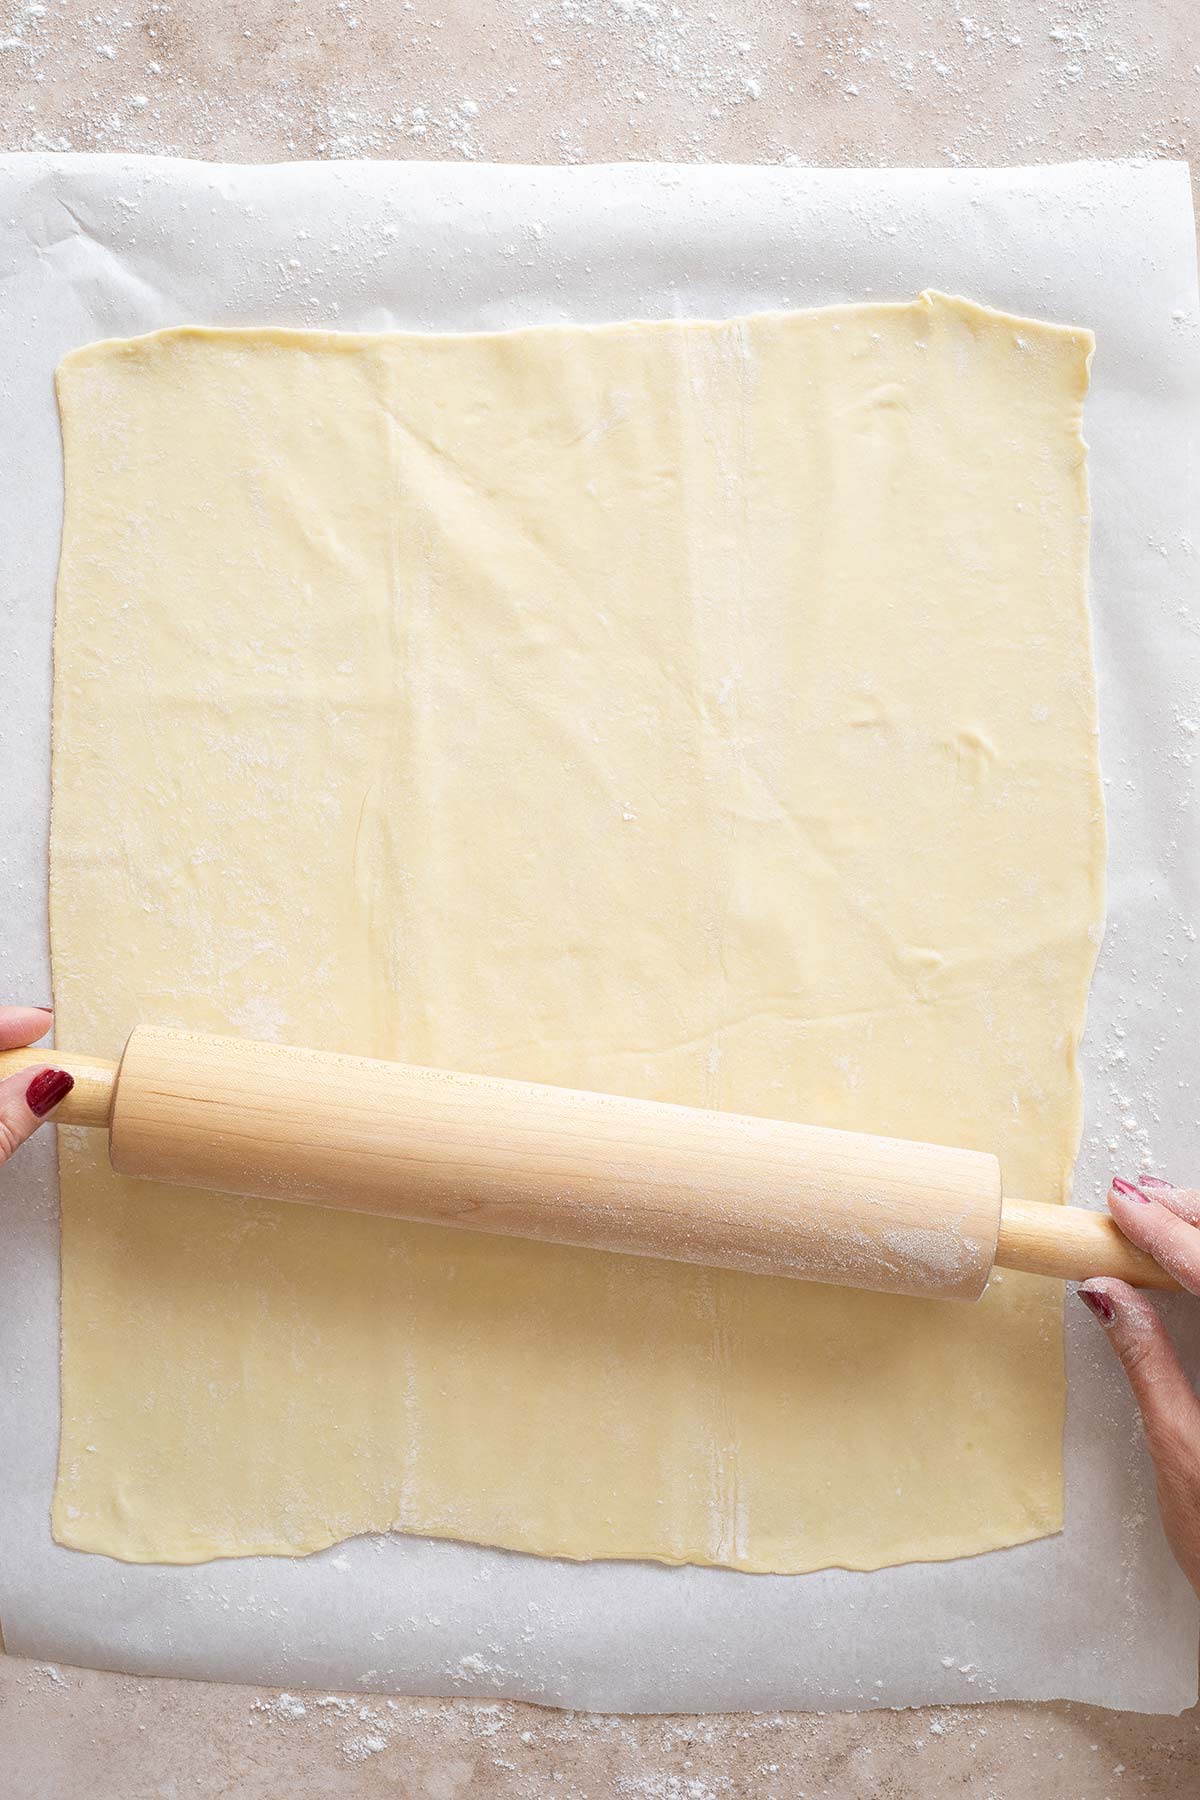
x=698 y=712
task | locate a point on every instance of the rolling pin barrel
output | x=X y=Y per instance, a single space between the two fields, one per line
x=631 y=1176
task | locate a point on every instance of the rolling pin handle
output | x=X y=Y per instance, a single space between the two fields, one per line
x=90 y=1101
x=1073 y=1245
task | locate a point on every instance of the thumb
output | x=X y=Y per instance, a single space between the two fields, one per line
x=24 y=1102
x=1170 y=1409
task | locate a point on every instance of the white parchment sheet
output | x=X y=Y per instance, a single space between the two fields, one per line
x=99 y=246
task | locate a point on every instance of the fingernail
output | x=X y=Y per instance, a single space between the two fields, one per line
x=46 y=1090
x=1155 y=1181
x=1127 y=1190
x=1100 y=1304
x=45 y=1009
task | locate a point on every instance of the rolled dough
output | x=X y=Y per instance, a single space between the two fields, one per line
x=698 y=711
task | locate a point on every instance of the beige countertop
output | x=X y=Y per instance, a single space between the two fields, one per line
x=821 y=82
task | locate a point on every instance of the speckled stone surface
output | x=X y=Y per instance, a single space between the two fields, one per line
x=814 y=81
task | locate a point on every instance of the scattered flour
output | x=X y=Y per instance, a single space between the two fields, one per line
x=576 y=80
x=357 y=1749
x=282 y=1707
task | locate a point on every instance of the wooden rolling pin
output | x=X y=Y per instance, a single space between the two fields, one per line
x=633 y=1176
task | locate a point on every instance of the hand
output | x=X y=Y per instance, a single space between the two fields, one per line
x=26 y=1098
x=1164 y=1220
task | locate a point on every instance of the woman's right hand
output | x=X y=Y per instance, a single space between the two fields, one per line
x=1165 y=1221
x=26 y=1098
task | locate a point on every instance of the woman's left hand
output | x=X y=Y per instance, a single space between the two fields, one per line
x=26 y=1098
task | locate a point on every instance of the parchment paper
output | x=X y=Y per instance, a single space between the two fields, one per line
x=93 y=246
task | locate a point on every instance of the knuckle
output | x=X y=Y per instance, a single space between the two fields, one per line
x=10 y=1139
x=1174 y=1442
x=1180 y=1243
x=1140 y=1356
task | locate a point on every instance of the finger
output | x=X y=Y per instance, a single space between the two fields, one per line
x=1181 y=1200
x=25 y=1099
x=1146 y=1222
x=21 y=1025
x=1139 y=1337
x=1169 y=1408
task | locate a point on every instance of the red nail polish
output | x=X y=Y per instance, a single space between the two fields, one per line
x=1128 y=1192
x=46 y=1090
x=1100 y=1304
x=1155 y=1181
